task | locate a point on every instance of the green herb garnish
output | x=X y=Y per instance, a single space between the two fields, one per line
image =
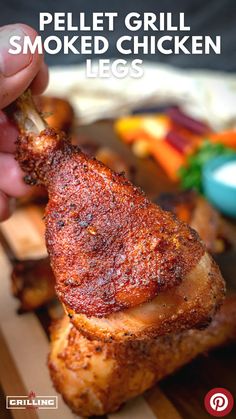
x=191 y=174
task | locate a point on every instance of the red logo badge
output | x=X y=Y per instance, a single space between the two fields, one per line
x=219 y=402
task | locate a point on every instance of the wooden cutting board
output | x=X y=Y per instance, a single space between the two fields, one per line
x=24 y=341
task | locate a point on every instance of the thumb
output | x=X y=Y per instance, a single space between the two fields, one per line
x=16 y=71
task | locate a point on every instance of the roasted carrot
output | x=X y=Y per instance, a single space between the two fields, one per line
x=167 y=156
x=227 y=138
x=147 y=134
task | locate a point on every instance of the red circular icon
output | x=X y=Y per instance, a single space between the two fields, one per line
x=219 y=402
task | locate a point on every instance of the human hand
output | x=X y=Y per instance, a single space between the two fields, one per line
x=17 y=72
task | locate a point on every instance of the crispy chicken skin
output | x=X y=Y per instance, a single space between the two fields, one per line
x=193 y=302
x=187 y=205
x=95 y=378
x=112 y=250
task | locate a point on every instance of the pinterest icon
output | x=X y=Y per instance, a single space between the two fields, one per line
x=219 y=402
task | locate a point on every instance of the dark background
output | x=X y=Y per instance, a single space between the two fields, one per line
x=205 y=17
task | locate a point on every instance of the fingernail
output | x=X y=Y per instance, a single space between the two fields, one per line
x=11 y=64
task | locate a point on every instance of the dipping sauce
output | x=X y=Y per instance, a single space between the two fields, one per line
x=226 y=173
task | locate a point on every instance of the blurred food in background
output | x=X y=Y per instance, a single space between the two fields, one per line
x=195 y=210
x=177 y=142
x=57 y=112
x=32 y=283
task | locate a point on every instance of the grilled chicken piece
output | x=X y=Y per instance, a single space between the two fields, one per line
x=124 y=268
x=33 y=283
x=95 y=378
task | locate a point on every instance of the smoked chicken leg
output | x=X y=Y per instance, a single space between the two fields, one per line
x=124 y=268
x=96 y=378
